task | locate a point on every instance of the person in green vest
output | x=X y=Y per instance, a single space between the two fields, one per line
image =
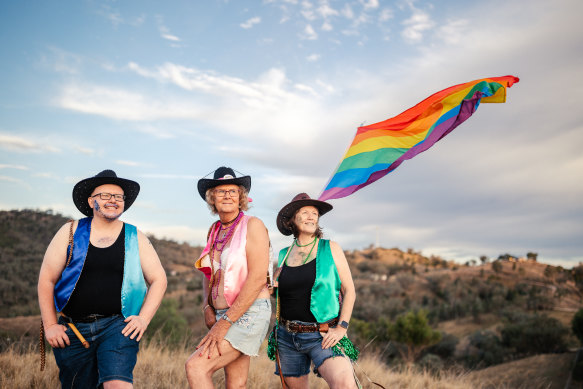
x=315 y=297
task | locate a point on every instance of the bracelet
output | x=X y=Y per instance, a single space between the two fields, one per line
x=205 y=307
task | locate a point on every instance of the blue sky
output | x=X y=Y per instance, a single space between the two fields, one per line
x=165 y=92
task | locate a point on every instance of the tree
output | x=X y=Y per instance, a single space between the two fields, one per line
x=414 y=334
x=550 y=272
x=531 y=256
x=497 y=266
x=484 y=259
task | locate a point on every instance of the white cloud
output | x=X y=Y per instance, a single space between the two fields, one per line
x=347 y=11
x=169 y=176
x=309 y=33
x=385 y=15
x=326 y=11
x=453 y=31
x=251 y=22
x=17 y=167
x=326 y=26
x=416 y=25
x=313 y=57
x=128 y=163
x=21 y=144
x=85 y=150
x=10 y=179
x=370 y=4
x=118 y=103
x=165 y=33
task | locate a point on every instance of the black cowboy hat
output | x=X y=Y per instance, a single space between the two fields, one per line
x=300 y=200
x=222 y=176
x=84 y=188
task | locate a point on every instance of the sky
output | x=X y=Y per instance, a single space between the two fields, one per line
x=165 y=92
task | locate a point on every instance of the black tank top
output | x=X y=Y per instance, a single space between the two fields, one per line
x=295 y=291
x=98 y=289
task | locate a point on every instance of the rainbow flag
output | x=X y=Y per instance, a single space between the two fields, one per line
x=379 y=148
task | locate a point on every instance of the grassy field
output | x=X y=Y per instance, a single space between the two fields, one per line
x=160 y=368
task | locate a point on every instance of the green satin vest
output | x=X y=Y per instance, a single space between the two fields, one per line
x=324 y=303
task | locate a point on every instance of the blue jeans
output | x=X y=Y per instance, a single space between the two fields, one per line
x=298 y=350
x=110 y=356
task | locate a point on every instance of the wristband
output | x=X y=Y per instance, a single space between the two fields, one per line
x=225 y=317
x=344 y=324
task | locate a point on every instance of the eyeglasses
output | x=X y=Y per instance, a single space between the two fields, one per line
x=223 y=193
x=107 y=196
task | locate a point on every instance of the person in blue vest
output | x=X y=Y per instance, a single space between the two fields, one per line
x=103 y=276
x=315 y=298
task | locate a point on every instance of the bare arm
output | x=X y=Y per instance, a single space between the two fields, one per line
x=53 y=264
x=348 y=293
x=156 y=278
x=257 y=251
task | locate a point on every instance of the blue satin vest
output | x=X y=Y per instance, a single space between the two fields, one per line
x=324 y=303
x=133 y=289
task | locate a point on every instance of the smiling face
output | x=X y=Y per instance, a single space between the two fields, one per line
x=306 y=220
x=226 y=198
x=108 y=209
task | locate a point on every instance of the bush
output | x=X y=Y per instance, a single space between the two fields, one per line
x=484 y=349
x=168 y=324
x=446 y=347
x=535 y=334
x=577 y=325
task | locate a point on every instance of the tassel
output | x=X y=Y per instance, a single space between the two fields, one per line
x=346 y=347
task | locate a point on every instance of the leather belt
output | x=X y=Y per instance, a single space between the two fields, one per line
x=297 y=327
x=86 y=319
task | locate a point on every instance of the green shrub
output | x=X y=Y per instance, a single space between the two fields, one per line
x=534 y=334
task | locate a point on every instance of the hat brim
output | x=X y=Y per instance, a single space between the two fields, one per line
x=84 y=188
x=288 y=211
x=205 y=184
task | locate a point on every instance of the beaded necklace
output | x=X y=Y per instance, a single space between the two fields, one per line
x=313 y=243
x=218 y=245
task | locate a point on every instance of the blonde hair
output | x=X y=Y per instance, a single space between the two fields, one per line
x=243 y=199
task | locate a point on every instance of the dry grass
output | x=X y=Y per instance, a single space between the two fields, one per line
x=160 y=368
x=548 y=371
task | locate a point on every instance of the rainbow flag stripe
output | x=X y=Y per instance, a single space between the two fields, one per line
x=379 y=148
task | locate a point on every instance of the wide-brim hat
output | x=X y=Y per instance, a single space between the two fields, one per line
x=223 y=176
x=84 y=188
x=300 y=200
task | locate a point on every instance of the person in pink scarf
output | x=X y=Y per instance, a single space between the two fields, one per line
x=237 y=308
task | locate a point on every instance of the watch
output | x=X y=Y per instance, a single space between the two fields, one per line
x=344 y=324
x=225 y=317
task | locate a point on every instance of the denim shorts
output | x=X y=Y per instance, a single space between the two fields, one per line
x=248 y=332
x=298 y=350
x=110 y=356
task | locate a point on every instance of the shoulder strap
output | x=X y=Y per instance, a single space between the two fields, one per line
x=71 y=242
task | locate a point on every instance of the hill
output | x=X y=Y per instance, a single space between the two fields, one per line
x=475 y=305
